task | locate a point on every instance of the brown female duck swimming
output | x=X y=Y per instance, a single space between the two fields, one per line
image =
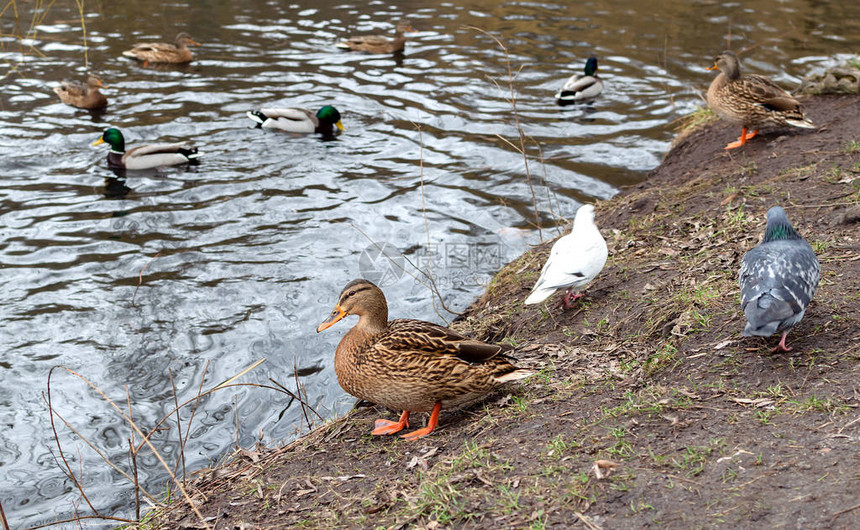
x=379 y=43
x=82 y=95
x=411 y=365
x=751 y=101
x=162 y=52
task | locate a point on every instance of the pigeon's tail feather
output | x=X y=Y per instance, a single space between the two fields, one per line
x=764 y=331
x=538 y=296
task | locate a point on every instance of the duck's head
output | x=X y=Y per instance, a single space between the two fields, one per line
x=404 y=27
x=184 y=39
x=113 y=138
x=362 y=298
x=329 y=114
x=94 y=81
x=727 y=62
x=591 y=66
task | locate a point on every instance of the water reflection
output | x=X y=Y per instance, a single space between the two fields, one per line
x=202 y=271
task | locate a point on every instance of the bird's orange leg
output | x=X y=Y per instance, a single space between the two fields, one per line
x=742 y=139
x=391 y=427
x=431 y=424
x=782 y=346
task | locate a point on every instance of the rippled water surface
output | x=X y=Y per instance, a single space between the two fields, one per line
x=199 y=272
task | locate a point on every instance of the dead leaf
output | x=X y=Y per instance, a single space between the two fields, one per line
x=343 y=478
x=723 y=344
x=758 y=403
x=603 y=468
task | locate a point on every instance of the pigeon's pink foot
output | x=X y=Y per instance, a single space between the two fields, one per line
x=782 y=346
x=569 y=298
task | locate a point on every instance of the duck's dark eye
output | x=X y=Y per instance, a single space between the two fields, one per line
x=351 y=293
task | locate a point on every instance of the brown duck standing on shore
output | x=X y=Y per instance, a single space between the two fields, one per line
x=751 y=101
x=379 y=43
x=162 y=52
x=82 y=95
x=411 y=365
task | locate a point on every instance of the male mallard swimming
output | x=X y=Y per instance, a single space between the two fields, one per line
x=82 y=95
x=298 y=120
x=574 y=261
x=581 y=87
x=751 y=101
x=379 y=43
x=411 y=365
x=162 y=52
x=145 y=156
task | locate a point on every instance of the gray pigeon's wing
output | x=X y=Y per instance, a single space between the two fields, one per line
x=777 y=280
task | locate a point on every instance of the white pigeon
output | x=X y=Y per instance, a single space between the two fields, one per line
x=778 y=279
x=574 y=261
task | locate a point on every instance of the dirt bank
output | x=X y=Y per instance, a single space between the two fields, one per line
x=650 y=372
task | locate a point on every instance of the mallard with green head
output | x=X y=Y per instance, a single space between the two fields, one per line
x=145 y=156
x=411 y=365
x=163 y=52
x=751 y=101
x=82 y=95
x=581 y=87
x=379 y=43
x=298 y=120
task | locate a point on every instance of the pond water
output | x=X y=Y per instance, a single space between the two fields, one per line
x=184 y=277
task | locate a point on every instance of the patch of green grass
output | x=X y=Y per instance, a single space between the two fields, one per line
x=695 y=121
x=749 y=167
x=521 y=404
x=509 y=499
x=815 y=404
x=640 y=505
x=819 y=246
x=621 y=447
x=851 y=147
x=764 y=416
x=558 y=446
x=661 y=359
x=693 y=460
x=439 y=497
x=834 y=175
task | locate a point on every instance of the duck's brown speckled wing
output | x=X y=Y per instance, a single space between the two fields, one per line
x=424 y=337
x=768 y=93
x=369 y=40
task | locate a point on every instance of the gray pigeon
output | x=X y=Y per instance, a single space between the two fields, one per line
x=777 y=279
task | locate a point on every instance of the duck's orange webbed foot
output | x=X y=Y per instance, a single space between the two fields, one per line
x=431 y=424
x=391 y=427
x=742 y=139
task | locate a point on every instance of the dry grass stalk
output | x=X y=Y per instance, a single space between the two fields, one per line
x=136 y=430
x=3 y=518
x=512 y=100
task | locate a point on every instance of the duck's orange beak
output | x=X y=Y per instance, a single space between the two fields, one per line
x=99 y=141
x=712 y=67
x=339 y=125
x=335 y=315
